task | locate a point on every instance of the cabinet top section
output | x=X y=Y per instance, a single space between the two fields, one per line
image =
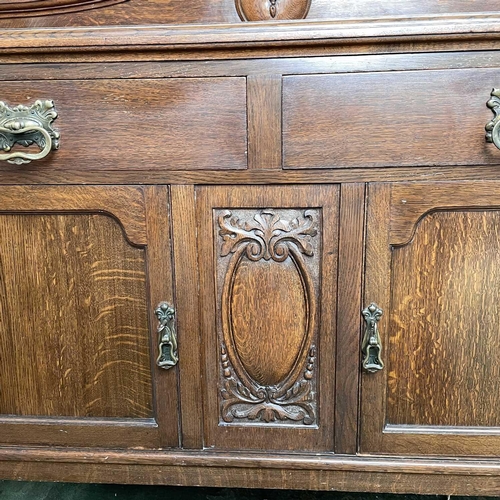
x=258 y=39
x=53 y=13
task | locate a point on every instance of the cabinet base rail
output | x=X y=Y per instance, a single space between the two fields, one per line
x=254 y=470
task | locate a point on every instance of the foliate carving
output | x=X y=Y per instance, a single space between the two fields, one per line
x=269 y=404
x=267 y=236
x=259 y=10
x=277 y=245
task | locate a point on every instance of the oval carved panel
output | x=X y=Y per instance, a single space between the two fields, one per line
x=27 y=8
x=268 y=315
x=266 y=10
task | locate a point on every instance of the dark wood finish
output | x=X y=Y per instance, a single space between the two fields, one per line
x=434 y=347
x=126 y=204
x=436 y=283
x=265 y=337
x=450 y=477
x=223 y=11
x=255 y=67
x=10 y=176
x=351 y=248
x=250 y=478
x=26 y=8
x=423 y=119
x=198 y=113
x=188 y=323
x=118 y=124
x=77 y=363
x=161 y=289
x=264 y=121
x=450 y=33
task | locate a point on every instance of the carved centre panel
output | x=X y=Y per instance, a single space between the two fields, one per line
x=267 y=277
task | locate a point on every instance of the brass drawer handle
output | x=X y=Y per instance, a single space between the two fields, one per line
x=372 y=345
x=27 y=125
x=168 y=355
x=493 y=127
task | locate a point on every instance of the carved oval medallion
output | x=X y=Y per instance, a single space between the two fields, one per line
x=268 y=318
x=265 y=10
x=268 y=315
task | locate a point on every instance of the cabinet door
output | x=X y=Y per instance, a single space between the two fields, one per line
x=268 y=259
x=433 y=268
x=82 y=270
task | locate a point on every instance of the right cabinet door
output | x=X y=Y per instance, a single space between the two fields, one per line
x=433 y=331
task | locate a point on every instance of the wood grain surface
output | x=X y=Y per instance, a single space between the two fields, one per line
x=264 y=121
x=153 y=124
x=443 y=325
x=224 y=11
x=438 y=330
x=422 y=119
x=77 y=286
x=74 y=337
x=233 y=41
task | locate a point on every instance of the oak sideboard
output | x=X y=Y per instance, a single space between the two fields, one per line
x=251 y=243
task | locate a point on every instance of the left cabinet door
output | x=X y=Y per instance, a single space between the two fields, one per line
x=82 y=270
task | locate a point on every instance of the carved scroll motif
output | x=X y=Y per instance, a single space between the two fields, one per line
x=269 y=404
x=267 y=236
x=250 y=391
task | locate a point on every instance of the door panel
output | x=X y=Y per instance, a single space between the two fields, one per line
x=74 y=290
x=432 y=266
x=268 y=260
x=76 y=339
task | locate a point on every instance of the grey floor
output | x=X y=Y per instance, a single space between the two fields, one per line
x=12 y=490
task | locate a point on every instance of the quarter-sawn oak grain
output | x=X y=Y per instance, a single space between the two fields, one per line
x=185 y=104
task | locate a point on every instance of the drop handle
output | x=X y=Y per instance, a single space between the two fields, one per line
x=167 y=338
x=372 y=345
x=493 y=126
x=27 y=125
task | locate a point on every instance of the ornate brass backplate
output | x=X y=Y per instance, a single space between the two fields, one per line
x=167 y=355
x=372 y=344
x=493 y=126
x=27 y=125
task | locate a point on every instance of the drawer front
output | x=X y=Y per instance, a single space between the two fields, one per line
x=157 y=124
x=414 y=118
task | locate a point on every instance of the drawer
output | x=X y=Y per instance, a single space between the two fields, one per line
x=407 y=118
x=154 y=124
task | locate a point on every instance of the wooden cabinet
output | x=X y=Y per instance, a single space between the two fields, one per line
x=78 y=332
x=432 y=266
x=255 y=255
